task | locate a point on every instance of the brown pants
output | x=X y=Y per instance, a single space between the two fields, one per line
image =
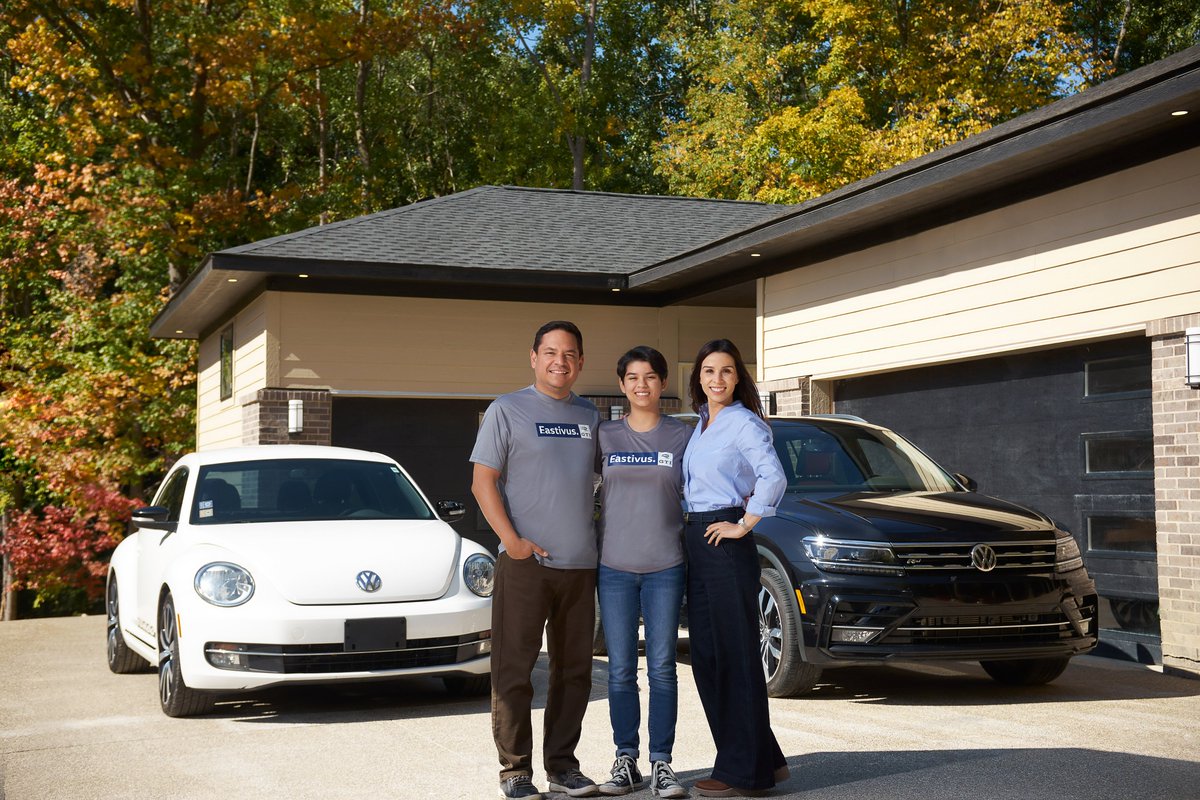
x=528 y=600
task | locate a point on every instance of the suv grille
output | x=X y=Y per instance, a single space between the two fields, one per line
x=893 y=625
x=924 y=557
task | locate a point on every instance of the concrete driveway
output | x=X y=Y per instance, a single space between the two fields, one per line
x=71 y=729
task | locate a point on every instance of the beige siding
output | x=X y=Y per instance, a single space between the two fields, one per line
x=219 y=422
x=1094 y=260
x=440 y=347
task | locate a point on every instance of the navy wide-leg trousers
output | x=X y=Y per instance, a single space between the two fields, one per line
x=722 y=594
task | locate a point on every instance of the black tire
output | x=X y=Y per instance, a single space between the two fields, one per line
x=121 y=659
x=1026 y=671
x=468 y=685
x=599 y=645
x=786 y=671
x=176 y=698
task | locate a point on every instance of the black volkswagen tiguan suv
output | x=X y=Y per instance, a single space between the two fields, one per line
x=878 y=554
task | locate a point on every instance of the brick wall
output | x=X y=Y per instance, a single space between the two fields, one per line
x=1176 y=410
x=790 y=397
x=265 y=417
x=669 y=405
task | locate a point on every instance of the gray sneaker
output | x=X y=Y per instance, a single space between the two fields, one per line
x=520 y=786
x=663 y=782
x=625 y=778
x=573 y=782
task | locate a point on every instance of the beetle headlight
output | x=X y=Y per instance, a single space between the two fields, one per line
x=479 y=573
x=1066 y=553
x=861 y=558
x=224 y=584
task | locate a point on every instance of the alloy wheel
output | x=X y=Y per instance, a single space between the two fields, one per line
x=770 y=633
x=166 y=652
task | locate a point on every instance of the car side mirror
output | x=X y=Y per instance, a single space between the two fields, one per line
x=450 y=510
x=153 y=517
x=968 y=483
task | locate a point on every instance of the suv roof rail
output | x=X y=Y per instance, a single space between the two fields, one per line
x=850 y=417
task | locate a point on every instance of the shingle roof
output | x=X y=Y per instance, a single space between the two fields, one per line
x=515 y=228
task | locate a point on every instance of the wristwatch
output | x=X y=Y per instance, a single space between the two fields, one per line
x=742 y=522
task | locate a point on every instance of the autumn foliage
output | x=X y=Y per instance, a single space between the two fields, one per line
x=135 y=137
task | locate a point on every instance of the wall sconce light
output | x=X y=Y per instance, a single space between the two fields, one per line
x=1191 y=357
x=295 y=416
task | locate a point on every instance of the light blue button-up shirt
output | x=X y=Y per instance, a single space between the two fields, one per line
x=732 y=462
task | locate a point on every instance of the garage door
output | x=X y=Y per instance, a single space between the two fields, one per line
x=432 y=438
x=1066 y=431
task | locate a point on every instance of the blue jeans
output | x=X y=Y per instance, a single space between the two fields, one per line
x=655 y=597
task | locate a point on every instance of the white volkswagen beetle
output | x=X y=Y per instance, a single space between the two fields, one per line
x=277 y=564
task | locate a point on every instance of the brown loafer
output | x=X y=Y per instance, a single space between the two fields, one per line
x=711 y=787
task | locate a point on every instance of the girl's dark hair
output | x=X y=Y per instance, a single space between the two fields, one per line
x=558 y=325
x=642 y=352
x=746 y=391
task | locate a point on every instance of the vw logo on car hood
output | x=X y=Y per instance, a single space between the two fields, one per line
x=983 y=558
x=370 y=582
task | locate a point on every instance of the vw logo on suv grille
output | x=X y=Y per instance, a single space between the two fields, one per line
x=370 y=582
x=983 y=558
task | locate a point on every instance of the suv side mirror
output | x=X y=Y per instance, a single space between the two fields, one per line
x=450 y=510
x=968 y=483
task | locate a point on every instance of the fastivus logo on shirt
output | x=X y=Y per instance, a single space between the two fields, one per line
x=564 y=430
x=643 y=459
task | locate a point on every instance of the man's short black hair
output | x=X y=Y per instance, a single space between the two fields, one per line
x=558 y=325
x=642 y=352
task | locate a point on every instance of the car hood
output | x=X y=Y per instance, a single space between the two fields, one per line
x=317 y=563
x=913 y=516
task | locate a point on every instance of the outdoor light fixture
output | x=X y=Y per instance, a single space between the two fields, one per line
x=1191 y=357
x=295 y=416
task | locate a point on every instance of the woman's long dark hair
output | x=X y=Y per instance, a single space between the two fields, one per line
x=746 y=390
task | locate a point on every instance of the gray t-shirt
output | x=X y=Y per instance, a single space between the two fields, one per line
x=545 y=451
x=641 y=511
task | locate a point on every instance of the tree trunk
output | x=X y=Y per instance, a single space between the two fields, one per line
x=360 y=105
x=576 y=142
x=322 y=143
x=8 y=595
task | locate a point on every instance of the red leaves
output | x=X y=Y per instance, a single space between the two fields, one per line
x=55 y=547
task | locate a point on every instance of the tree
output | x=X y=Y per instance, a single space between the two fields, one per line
x=831 y=91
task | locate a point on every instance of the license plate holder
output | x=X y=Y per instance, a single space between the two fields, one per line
x=389 y=633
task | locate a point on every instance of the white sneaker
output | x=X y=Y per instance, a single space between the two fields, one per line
x=663 y=782
x=625 y=778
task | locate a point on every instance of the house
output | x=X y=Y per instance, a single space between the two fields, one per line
x=1016 y=303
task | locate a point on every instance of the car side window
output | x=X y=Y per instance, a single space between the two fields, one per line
x=171 y=495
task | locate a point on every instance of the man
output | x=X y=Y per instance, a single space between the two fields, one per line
x=533 y=467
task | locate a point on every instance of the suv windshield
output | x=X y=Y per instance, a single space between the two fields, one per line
x=304 y=489
x=831 y=457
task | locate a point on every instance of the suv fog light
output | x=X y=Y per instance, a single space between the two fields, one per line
x=853 y=635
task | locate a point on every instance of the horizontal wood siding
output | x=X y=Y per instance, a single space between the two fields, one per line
x=219 y=422
x=472 y=348
x=1094 y=260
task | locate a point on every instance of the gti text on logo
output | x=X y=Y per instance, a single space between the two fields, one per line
x=564 y=430
x=368 y=581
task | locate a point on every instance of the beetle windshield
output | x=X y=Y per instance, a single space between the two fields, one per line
x=832 y=457
x=304 y=489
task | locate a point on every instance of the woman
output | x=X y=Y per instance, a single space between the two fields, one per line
x=732 y=479
x=641 y=571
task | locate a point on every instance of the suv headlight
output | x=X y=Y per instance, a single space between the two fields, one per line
x=860 y=558
x=224 y=584
x=479 y=573
x=1066 y=553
